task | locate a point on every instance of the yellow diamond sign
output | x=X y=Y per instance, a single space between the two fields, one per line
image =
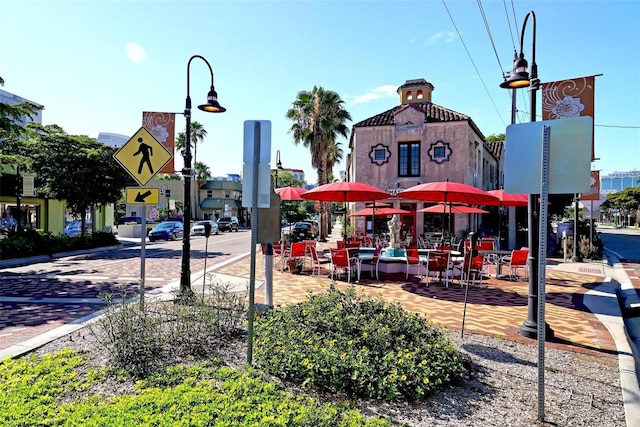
x=142 y=156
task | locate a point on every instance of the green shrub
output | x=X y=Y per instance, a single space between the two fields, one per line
x=143 y=340
x=30 y=242
x=358 y=346
x=52 y=391
x=590 y=250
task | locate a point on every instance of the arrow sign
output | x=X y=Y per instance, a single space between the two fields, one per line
x=142 y=196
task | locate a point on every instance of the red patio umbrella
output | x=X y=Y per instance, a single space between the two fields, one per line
x=380 y=212
x=449 y=192
x=345 y=192
x=452 y=209
x=507 y=199
x=290 y=193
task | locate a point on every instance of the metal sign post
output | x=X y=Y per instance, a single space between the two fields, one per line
x=542 y=263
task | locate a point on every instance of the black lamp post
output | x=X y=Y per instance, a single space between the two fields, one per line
x=278 y=166
x=520 y=78
x=212 y=106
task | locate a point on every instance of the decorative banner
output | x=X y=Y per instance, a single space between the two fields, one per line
x=594 y=190
x=569 y=98
x=162 y=127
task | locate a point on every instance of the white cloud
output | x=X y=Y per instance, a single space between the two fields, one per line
x=135 y=53
x=385 y=91
x=446 y=36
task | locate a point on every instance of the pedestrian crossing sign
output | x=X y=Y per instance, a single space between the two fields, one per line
x=142 y=156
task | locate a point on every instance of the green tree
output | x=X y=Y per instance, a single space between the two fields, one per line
x=625 y=201
x=12 y=132
x=202 y=174
x=319 y=117
x=77 y=169
x=496 y=137
x=198 y=133
x=286 y=179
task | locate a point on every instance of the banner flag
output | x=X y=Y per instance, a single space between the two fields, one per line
x=569 y=98
x=594 y=190
x=163 y=127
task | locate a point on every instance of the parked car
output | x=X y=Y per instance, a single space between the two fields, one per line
x=168 y=230
x=74 y=228
x=302 y=231
x=228 y=223
x=198 y=227
x=130 y=220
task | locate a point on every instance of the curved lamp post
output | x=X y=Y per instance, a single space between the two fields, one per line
x=278 y=166
x=520 y=78
x=212 y=106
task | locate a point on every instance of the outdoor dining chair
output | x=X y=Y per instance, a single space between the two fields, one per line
x=413 y=261
x=298 y=251
x=316 y=262
x=341 y=262
x=438 y=262
x=472 y=268
x=371 y=263
x=517 y=261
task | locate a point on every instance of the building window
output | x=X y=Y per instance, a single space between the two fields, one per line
x=409 y=96
x=167 y=193
x=209 y=193
x=419 y=94
x=379 y=154
x=409 y=159
x=439 y=152
x=226 y=196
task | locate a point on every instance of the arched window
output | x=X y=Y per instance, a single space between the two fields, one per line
x=409 y=95
x=419 y=95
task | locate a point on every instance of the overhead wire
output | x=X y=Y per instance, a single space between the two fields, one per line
x=472 y=61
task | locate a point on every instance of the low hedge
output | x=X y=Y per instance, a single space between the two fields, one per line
x=31 y=243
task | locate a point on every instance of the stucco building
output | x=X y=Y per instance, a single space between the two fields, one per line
x=416 y=142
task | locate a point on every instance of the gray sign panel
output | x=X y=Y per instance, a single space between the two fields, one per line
x=569 y=156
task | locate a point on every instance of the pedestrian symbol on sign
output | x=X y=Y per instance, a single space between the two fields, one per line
x=142 y=156
x=147 y=152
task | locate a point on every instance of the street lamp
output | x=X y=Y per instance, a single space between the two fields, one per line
x=278 y=166
x=212 y=106
x=520 y=78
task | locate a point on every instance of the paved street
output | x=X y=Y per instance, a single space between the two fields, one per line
x=41 y=296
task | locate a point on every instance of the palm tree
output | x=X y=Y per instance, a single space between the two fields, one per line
x=203 y=173
x=318 y=119
x=334 y=156
x=198 y=133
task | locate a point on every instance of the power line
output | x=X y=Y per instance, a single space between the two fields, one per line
x=472 y=62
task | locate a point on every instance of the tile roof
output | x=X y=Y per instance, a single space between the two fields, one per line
x=496 y=148
x=433 y=112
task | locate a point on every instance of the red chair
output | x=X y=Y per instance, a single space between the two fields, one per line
x=516 y=261
x=472 y=268
x=413 y=261
x=372 y=263
x=297 y=251
x=439 y=262
x=340 y=261
x=316 y=261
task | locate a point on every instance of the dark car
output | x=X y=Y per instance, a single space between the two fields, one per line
x=168 y=230
x=130 y=220
x=228 y=223
x=303 y=231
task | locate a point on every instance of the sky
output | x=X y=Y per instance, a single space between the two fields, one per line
x=96 y=65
